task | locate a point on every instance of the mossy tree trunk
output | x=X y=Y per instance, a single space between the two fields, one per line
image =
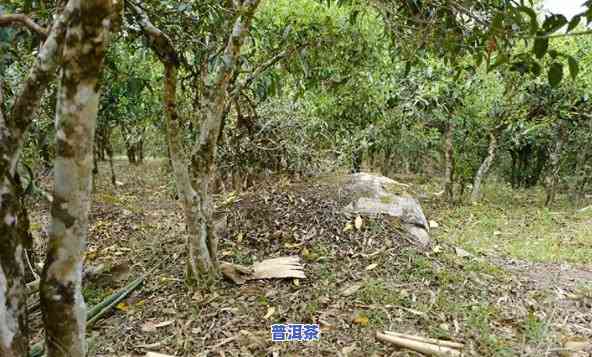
x=194 y=176
x=14 y=226
x=62 y=304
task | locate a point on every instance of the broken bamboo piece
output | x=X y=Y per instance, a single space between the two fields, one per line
x=433 y=341
x=423 y=345
x=274 y=268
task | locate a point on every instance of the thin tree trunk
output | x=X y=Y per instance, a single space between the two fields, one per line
x=62 y=303
x=555 y=159
x=449 y=162
x=140 y=151
x=194 y=186
x=14 y=228
x=203 y=158
x=181 y=171
x=485 y=166
x=110 y=155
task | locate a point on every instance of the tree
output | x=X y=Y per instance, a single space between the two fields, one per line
x=64 y=311
x=14 y=227
x=194 y=173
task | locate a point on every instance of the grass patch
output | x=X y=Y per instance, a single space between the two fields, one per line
x=514 y=223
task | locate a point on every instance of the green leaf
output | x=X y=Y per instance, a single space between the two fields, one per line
x=573 y=67
x=555 y=74
x=407 y=68
x=500 y=59
x=533 y=18
x=541 y=45
x=478 y=59
x=575 y=21
x=520 y=67
x=554 y=23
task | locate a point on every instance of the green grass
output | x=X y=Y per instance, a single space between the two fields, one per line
x=515 y=223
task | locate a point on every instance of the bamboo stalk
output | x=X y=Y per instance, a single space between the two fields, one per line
x=97 y=311
x=433 y=341
x=419 y=346
x=101 y=309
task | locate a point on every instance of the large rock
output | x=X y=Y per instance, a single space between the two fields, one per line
x=376 y=195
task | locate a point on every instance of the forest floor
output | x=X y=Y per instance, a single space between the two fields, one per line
x=505 y=277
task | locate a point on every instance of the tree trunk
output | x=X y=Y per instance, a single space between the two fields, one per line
x=357 y=157
x=449 y=162
x=185 y=189
x=583 y=174
x=62 y=303
x=131 y=154
x=14 y=228
x=485 y=165
x=195 y=189
x=140 y=152
x=109 y=149
x=555 y=158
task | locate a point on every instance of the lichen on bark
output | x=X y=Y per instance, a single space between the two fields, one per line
x=14 y=225
x=64 y=311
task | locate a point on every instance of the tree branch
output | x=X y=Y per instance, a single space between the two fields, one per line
x=8 y=20
x=42 y=72
x=264 y=67
x=158 y=40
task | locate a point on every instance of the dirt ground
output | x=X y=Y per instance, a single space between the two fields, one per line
x=358 y=282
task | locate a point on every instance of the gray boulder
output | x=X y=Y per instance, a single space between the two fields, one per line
x=376 y=195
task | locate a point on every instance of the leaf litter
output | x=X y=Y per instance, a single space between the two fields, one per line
x=359 y=281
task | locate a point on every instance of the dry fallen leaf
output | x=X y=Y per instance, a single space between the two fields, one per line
x=358 y=223
x=165 y=323
x=577 y=347
x=348 y=349
x=350 y=290
x=371 y=266
x=348 y=227
x=361 y=319
x=122 y=306
x=148 y=326
x=270 y=312
x=156 y=354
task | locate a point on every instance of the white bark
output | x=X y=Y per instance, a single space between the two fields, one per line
x=13 y=219
x=484 y=168
x=64 y=311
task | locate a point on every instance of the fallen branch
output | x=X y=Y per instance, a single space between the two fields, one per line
x=420 y=344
